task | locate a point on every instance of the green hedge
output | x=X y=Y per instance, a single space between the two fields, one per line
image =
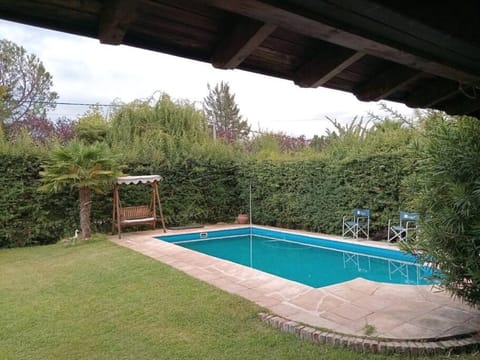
x=314 y=195
x=192 y=192
x=28 y=217
x=311 y=195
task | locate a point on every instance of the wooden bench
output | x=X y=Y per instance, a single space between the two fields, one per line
x=137 y=215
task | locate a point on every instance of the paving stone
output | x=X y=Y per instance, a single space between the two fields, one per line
x=434 y=322
x=314 y=320
x=335 y=318
x=412 y=308
x=363 y=286
x=343 y=292
x=318 y=301
x=373 y=303
x=309 y=300
x=400 y=292
x=409 y=331
x=255 y=282
x=285 y=310
x=288 y=293
x=475 y=320
x=386 y=320
x=351 y=312
x=252 y=294
x=272 y=285
x=267 y=302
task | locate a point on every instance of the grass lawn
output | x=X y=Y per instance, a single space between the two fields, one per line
x=96 y=300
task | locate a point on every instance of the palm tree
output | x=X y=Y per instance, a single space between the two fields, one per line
x=84 y=167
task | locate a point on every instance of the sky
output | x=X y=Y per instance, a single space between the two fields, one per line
x=85 y=71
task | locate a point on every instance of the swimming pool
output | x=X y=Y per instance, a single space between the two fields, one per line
x=310 y=260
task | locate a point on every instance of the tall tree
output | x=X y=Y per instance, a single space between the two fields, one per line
x=91 y=126
x=223 y=113
x=160 y=129
x=40 y=129
x=86 y=168
x=25 y=83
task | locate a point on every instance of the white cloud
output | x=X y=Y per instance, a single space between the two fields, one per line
x=86 y=71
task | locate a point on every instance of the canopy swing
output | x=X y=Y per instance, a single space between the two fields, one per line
x=136 y=215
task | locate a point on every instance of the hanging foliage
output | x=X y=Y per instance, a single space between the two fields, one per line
x=160 y=130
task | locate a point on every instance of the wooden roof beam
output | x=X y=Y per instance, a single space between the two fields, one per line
x=245 y=36
x=304 y=23
x=386 y=83
x=462 y=104
x=325 y=66
x=436 y=91
x=115 y=18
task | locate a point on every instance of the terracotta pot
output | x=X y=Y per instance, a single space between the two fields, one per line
x=242 y=218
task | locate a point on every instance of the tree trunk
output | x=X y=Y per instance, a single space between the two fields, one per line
x=85 y=197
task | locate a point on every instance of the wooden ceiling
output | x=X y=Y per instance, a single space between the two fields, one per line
x=425 y=54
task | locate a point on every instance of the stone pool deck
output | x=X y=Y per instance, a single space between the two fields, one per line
x=402 y=318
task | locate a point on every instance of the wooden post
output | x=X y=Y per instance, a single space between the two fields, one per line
x=116 y=210
x=159 y=206
x=153 y=205
x=119 y=226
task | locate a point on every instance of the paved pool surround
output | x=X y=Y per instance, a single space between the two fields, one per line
x=397 y=318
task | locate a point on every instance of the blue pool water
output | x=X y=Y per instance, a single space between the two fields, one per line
x=309 y=260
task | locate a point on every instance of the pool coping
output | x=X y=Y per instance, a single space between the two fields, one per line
x=414 y=315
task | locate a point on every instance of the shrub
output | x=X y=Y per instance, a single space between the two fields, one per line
x=449 y=197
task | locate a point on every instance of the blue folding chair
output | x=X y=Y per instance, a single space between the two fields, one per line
x=408 y=223
x=358 y=224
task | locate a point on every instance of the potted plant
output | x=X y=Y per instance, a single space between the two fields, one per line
x=242 y=218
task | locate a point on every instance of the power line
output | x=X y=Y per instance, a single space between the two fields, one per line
x=74 y=104
x=68 y=103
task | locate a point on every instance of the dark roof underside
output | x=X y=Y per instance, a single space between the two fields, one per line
x=425 y=54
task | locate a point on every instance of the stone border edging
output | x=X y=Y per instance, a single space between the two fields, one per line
x=375 y=345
